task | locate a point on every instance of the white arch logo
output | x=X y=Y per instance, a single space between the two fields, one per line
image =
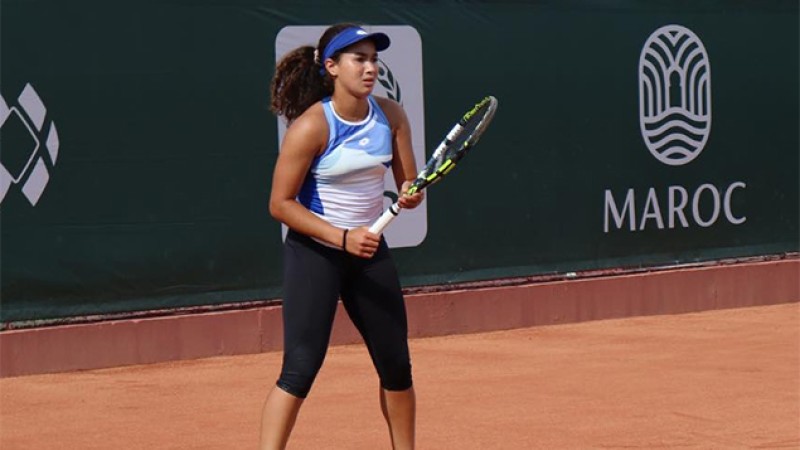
x=25 y=133
x=674 y=95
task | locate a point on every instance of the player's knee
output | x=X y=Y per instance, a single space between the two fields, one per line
x=395 y=374
x=298 y=387
x=299 y=372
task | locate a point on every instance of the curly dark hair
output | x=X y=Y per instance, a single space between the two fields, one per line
x=297 y=83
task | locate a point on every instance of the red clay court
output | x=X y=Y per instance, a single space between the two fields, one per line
x=717 y=379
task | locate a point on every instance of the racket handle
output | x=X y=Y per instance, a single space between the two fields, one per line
x=385 y=219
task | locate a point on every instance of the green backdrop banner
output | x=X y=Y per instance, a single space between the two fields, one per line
x=137 y=147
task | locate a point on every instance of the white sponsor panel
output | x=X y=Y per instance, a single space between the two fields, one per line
x=399 y=78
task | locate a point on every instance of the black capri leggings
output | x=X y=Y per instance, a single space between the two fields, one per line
x=315 y=276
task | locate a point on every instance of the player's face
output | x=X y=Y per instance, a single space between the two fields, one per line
x=357 y=68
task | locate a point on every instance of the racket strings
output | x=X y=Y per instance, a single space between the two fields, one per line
x=458 y=142
x=468 y=135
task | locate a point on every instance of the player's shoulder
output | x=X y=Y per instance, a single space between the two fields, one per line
x=311 y=126
x=310 y=119
x=387 y=104
x=392 y=109
x=312 y=115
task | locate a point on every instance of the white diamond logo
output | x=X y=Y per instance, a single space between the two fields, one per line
x=24 y=127
x=5 y=182
x=52 y=143
x=34 y=187
x=32 y=104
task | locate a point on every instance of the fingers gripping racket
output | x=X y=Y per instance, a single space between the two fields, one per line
x=459 y=141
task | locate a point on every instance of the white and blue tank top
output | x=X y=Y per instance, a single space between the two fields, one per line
x=345 y=184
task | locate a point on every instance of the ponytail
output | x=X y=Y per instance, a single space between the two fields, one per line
x=298 y=84
x=300 y=79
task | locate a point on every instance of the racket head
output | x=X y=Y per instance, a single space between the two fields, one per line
x=461 y=138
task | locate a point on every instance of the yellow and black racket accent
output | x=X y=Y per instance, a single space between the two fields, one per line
x=461 y=138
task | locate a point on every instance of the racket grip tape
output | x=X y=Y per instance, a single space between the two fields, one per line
x=385 y=219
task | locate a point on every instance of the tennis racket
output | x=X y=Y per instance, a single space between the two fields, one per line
x=459 y=141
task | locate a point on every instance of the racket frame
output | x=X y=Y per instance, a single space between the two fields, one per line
x=425 y=179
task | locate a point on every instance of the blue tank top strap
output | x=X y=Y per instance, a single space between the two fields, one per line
x=378 y=111
x=330 y=117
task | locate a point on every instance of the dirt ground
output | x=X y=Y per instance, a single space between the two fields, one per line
x=718 y=379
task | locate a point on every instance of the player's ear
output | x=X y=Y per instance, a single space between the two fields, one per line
x=332 y=67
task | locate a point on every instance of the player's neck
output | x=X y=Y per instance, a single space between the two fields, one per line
x=350 y=108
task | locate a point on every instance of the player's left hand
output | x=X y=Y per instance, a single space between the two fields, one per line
x=409 y=201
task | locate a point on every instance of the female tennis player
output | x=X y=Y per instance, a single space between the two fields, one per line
x=328 y=189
